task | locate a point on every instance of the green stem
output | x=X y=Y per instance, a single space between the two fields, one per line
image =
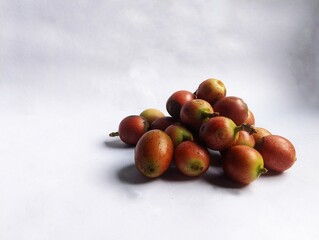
x=262 y=170
x=114 y=134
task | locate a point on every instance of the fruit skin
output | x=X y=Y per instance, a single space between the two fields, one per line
x=151 y=114
x=278 y=153
x=211 y=90
x=191 y=159
x=162 y=123
x=232 y=107
x=131 y=129
x=218 y=133
x=244 y=138
x=250 y=119
x=261 y=132
x=178 y=134
x=153 y=153
x=243 y=164
x=176 y=101
x=195 y=112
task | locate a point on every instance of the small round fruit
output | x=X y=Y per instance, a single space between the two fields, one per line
x=153 y=153
x=278 y=153
x=178 y=134
x=244 y=138
x=211 y=90
x=151 y=114
x=162 y=123
x=191 y=159
x=232 y=107
x=250 y=119
x=243 y=164
x=176 y=101
x=195 y=112
x=131 y=129
x=261 y=132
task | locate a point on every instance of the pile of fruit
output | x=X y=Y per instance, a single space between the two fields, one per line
x=199 y=124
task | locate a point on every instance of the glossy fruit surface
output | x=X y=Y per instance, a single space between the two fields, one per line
x=191 y=159
x=176 y=101
x=153 y=153
x=162 y=123
x=178 y=133
x=244 y=138
x=232 y=107
x=278 y=153
x=131 y=129
x=195 y=112
x=243 y=164
x=261 y=132
x=250 y=119
x=211 y=90
x=151 y=114
x=218 y=133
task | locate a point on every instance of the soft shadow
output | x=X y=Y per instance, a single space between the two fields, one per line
x=271 y=174
x=116 y=143
x=174 y=175
x=129 y=174
x=221 y=180
x=215 y=158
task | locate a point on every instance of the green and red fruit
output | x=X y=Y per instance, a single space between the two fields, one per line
x=243 y=164
x=154 y=153
x=191 y=159
x=211 y=90
x=232 y=107
x=278 y=153
x=151 y=114
x=261 y=132
x=244 y=138
x=176 y=101
x=178 y=134
x=131 y=129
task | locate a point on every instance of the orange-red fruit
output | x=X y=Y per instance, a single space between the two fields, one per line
x=151 y=114
x=131 y=129
x=191 y=159
x=278 y=152
x=261 y=132
x=232 y=107
x=243 y=164
x=211 y=90
x=153 y=153
x=176 y=101
x=250 y=119
x=244 y=138
x=162 y=123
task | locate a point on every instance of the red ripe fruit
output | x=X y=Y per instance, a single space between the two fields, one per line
x=176 y=101
x=162 y=123
x=250 y=119
x=244 y=138
x=211 y=90
x=195 y=112
x=232 y=107
x=278 y=152
x=191 y=159
x=261 y=132
x=131 y=129
x=243 y=164
x=178 y=134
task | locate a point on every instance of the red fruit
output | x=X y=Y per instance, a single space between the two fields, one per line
x=195 y=112
x=232 y=107
x=244 y=138
x=151 y=114
x=176 y=101
x=162 y=123
x=243 y=164
x=131 y=129
x=191 y=159
x=178 y=134
x=219 y=133
x=278 y=152
x=153 y=153
x=261 y=132
x=250 y=119
x=211 y=90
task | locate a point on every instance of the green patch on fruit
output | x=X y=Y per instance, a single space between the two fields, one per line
x=195 y=165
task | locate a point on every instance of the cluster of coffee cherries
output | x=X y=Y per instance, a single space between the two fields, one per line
x=202 y=123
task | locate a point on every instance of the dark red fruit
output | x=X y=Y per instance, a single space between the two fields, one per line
x=278 y=152
x=162 y=123
x=178 y=134
x=195 y=112
x=191 y=159
x=211 y=90
x=243 y=164
x=176 y=101
x=232 y=107
x=131 y=129
x=153 y=153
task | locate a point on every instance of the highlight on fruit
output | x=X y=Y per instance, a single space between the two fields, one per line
x=199 y=125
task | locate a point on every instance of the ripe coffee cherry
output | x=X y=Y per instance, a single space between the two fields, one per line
x=151 y=114
x=261 y=132
x=176 y=101
x=162 y=123
x=211 y=90
x=178 y=134
x=131 y=129
x=232 y=107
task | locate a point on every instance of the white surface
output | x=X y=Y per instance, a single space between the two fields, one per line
x=71 y=70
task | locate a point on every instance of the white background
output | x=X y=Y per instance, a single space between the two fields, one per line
x=71 y=70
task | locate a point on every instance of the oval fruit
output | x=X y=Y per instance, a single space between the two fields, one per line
x=153 y=153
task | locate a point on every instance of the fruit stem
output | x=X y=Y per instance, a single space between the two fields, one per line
x=210 y=115
x=114 y=134
x=248 y=128
x=262 y=170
